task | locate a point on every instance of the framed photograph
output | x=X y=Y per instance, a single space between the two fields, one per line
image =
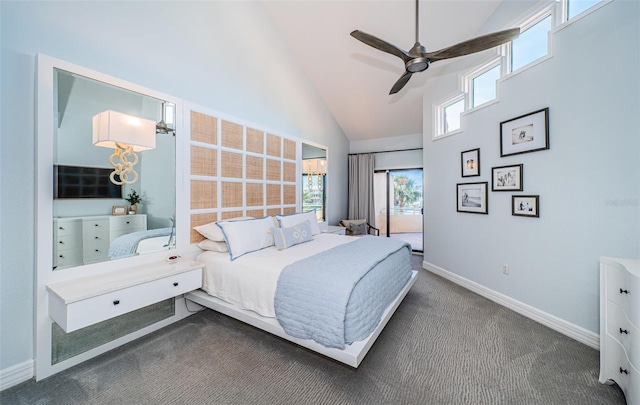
x=525 y=205
x=527 y=133
x=473 y=198
x=119 y=210
x=470 y=160
x=506 y=178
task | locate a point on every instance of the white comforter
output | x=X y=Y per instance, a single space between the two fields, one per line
x=250 y=281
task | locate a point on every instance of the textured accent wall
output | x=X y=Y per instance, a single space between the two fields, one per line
x=237 y=170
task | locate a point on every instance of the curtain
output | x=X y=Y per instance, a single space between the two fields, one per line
x=361 y=198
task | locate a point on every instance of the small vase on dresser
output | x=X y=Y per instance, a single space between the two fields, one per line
x=620 y=325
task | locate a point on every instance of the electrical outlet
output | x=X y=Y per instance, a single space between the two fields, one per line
x=505 y=269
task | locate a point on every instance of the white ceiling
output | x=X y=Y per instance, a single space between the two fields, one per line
x=354 y=79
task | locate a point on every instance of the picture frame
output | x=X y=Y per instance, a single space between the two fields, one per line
x=506 y=178
x=119 y=210
x=472 y=197
x=524 y=134
x=470 y=162
x=525 y=205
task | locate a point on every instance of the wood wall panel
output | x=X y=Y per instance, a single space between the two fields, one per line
x=231 y=135
x=204 y=128
x=257 y=174
x=289 y=149
x=231 y=165
x=200 y=219
x=204 y=194
x=274 y=147
x=255 y=141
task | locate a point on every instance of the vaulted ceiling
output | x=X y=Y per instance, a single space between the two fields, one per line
x=354 y=79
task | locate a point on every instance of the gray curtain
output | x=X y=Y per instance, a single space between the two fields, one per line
x=361 y=197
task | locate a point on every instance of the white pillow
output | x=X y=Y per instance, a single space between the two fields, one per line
x=287 y=221
x=213 y=245
x=247 y=236
x=212 y=232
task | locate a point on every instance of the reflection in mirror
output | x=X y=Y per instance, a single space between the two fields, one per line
x=94 y=219
x=314 y=180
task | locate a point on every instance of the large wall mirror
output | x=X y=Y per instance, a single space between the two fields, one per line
x=314 y=180
x=80 y=212
x=93 y=219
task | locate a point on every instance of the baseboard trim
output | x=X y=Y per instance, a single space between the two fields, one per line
x=15 y=375
x=560 y=325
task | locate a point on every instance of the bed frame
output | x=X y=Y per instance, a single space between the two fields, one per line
x=352 y=355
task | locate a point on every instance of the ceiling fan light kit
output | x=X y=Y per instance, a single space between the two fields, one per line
x=418 y=59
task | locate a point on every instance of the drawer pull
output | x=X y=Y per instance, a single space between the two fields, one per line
x=128 y=222
x=624 y=291
x=116 y=302
x=96 y=225
x=626 y=332
x=622 y=370
x=97 y=250
x=175 y=284
x=61 y=242
x=61 y=256
x=61 y=228
x=96 y=237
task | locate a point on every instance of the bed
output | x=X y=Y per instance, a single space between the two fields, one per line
x=141 y=242
x=261 y=287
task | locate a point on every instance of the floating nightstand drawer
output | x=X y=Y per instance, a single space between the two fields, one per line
x=82 y=302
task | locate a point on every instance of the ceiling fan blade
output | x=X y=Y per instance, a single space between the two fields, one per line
x=404 y=79
x=380 y=45
x=474 y=45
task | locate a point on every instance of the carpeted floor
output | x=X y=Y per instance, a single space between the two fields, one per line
x=444 y=345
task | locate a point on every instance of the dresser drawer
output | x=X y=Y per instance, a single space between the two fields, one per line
x=620 y=371
x=66 y=242
x=92 y=226
x=91 y=255
x=64 y=227
x=67 y=258
x=130 y=223
x=79 y=314
x=623 y=288
x=619 y=327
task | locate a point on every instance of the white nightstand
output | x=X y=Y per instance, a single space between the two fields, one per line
x=337 y=230
x=83 y=301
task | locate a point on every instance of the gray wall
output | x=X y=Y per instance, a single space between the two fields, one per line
x=232 y=61
x=588 y=181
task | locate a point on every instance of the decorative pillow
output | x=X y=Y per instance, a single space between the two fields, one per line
x=358 y=229
x=212 y=232
x=213 y=245
x=286 y=237
x=247 y=236
x=287 y=221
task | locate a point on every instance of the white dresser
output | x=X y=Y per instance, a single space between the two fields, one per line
x=84 y=240
x=620 y=325
x=85 y=301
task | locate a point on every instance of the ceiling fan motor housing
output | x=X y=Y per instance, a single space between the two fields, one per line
x=418 y=63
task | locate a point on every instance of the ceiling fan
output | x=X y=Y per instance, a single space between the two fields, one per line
x=418 y=59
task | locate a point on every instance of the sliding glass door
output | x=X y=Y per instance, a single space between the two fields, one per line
x=398 y=205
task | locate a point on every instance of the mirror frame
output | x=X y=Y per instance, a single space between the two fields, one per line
x=45 y=120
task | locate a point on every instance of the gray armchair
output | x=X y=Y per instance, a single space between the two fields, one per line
x=357 y=227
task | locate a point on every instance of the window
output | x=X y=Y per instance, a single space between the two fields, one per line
x=575 y=7
x=483 y=85
x=452 y=115
x=531 y=44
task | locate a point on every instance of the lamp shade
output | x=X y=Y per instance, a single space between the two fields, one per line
x=112 y=127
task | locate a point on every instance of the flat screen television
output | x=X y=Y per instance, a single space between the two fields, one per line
x=84 y=182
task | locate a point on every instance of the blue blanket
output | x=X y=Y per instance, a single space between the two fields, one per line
x=126 y=245
x=338 y=296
